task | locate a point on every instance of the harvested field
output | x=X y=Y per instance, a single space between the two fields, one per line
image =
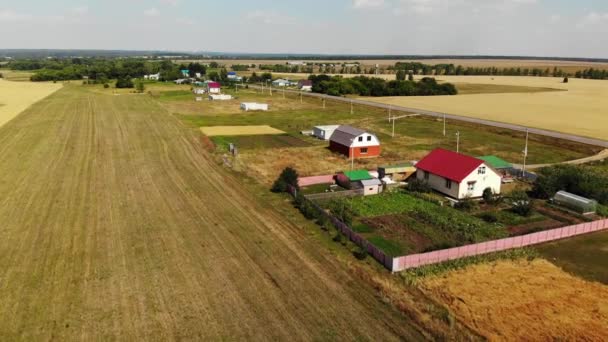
x=239 y=130
x=117 y=224
x=15 y=97
x=255 y=142
x=520 y=300
x=582 y=109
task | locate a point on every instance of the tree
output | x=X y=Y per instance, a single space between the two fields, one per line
x=289 y=176
x=124 y=82
x=401 y=75
x=410 y=77
x=566 y=79
x=520 y=203
x=139 y=85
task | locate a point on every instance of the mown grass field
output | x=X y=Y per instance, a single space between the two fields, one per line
x=117 y=224
x=414 y=136
x=17 y=96
x=585 y=256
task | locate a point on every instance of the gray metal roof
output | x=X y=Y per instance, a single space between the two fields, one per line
x=371 y=182
x=344 y=135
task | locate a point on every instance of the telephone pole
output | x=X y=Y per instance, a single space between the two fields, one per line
x=444 y=125
x=458 y=142
x=523 y=170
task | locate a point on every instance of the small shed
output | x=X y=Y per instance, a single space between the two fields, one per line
x=220 y=97
x=199 y=91
x=352 y=179
x=324 y=132
x=397 y=172
x=577 y=203
x=371 y=186
x=247 y=106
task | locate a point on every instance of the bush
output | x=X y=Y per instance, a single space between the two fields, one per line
x=466 y=204
x=579 y=180
x=489 y=217
x=521 y=203
x=360 y=253
x=419 y=185
x=289 y=176
x=124 y=82
x=106 y=86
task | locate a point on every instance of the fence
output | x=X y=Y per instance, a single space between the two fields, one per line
x=349 y=233
x=416 y=260
x=336 y=194
x=307 y=181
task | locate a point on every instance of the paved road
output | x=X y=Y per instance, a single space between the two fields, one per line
x=544 y=132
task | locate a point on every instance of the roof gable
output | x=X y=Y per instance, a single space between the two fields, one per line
x=345 y=135
x=448 y=164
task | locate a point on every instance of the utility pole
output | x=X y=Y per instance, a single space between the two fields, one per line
x=283 y=92
x=324 y=103
x=458 y=142
x=301 y=101
x=523 y=171
x=270 y=88
x=389 y=112
x=444 y=125
x=352 y=111
x=394 y=127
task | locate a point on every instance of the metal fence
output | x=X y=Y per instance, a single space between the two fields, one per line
x=417 y=260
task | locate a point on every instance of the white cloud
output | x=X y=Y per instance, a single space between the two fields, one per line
x=152 y=12
x=364 y=4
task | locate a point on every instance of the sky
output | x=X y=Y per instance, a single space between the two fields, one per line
x=561 y=28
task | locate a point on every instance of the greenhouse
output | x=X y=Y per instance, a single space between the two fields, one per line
x=577 y=203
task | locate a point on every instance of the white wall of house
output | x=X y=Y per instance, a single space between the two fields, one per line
x=366 y=140
x=489 y=179
x=479 y=181
x=438 y=183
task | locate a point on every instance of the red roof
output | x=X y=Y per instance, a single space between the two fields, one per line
x=447 y=164
x=213 y=85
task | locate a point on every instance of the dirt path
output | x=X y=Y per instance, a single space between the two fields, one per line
x=116 y=224
x=600 y=156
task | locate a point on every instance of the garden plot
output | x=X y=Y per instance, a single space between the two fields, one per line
x=213 y=131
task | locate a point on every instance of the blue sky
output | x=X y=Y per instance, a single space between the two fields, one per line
x=493 y=27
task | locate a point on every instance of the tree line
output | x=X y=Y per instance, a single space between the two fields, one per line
x=372 y=86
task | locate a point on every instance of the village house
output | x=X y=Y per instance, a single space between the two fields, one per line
x=305 y=85
x=214 y=88
x=457 y=175
x=281 y=83
x=354 y=143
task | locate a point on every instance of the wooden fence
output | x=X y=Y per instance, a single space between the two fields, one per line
x=417 y=260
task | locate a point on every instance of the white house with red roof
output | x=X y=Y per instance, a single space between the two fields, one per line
x=214 y=88
x=457 y=175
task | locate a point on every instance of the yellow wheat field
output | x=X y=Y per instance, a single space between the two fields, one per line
x=582 y=108
x=213 y=131
x=15 y=97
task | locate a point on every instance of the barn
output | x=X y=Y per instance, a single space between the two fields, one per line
x=247 y=106
x=354 y=142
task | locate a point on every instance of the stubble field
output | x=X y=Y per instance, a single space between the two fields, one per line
x=15 y=97
x=118 y=224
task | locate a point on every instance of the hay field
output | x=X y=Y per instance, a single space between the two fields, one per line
x=213 y=131
x=117 y=224
x=15 y=97
x=520 y=300
x=581 y=109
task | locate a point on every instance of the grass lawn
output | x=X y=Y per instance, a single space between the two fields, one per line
x=585 y=256
x=253 y=142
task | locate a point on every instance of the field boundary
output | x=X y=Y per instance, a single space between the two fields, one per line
x=417 y=260
x=514 y=127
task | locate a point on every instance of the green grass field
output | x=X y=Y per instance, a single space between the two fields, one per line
x=473 y=88
x=117 y=224
x=252 y=142
x=585 y=256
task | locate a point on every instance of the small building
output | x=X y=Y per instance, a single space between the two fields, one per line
x=324 y=132
x=398 y=172
x=354 y=142
x=214 y=88
x=574 y=202
x=352 y=179
x=457 y=175
x=199 y=91
x=219 y=97
x=305 y=85
x=152 y=77
x=247 y=106
x=281 y=83
x=371 y=186
x=185 y=72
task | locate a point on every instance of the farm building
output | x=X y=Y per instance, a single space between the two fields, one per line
x=247 y=106
x=324 y=132
x=577 y=203
x=397 y=172
x=371 y=186
x=352 y=179
x=354 y=142
x=152 y=77
x=281 y=83
x=305 y=85
x=199 y=91
x=220 y=97
x=457 y=175
x=214 y=88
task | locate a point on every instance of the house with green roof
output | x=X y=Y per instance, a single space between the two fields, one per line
x=496 y=162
